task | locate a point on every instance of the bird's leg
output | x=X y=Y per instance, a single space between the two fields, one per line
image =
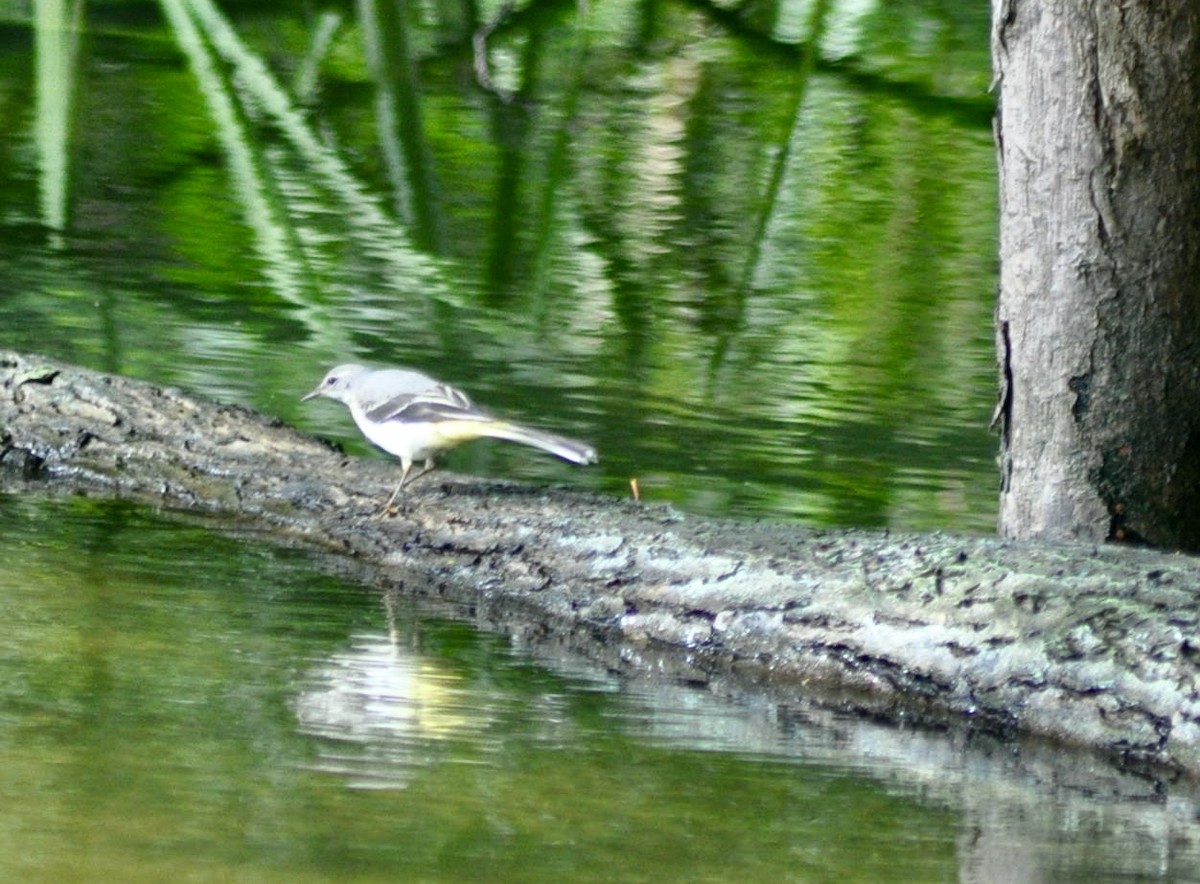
x=428 y=468
x=406 y=479
x=405 y=469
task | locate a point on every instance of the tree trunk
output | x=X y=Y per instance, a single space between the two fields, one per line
x=1098 y=324
x=1092 y=646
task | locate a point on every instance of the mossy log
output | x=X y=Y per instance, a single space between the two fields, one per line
x=1093 y=646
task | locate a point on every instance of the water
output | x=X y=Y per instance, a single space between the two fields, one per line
x=180 y=705
x=756 y=306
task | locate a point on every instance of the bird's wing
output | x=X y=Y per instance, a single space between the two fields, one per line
x=438 y=402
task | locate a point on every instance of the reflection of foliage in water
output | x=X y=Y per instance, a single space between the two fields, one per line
x=757 y=275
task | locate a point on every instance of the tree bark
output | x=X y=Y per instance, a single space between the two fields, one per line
x=1091 y=646
x=1098 y=322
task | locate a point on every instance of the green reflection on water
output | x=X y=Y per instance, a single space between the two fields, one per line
x=177 y=705
x=758 y=279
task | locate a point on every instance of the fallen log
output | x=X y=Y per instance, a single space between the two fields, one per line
x=1091 y=646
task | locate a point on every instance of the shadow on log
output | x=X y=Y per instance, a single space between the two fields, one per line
x=1094 y=647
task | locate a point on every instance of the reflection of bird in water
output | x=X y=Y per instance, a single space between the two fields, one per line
x=387 y=703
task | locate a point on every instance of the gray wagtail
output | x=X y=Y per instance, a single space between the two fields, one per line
x=415 y=417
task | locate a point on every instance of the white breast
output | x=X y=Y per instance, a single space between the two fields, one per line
x=407 y=441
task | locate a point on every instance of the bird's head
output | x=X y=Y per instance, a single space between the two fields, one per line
x=337 y=383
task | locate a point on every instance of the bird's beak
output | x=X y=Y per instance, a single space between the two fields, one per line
x=313 y=395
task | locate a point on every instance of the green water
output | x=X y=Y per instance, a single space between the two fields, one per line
x=760 y=286
x=180 y=705
x=177 y=705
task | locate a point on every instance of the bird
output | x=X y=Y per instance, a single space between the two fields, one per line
x=415 y=417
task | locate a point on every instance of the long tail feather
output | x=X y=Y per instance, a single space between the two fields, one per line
x=560 y=446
